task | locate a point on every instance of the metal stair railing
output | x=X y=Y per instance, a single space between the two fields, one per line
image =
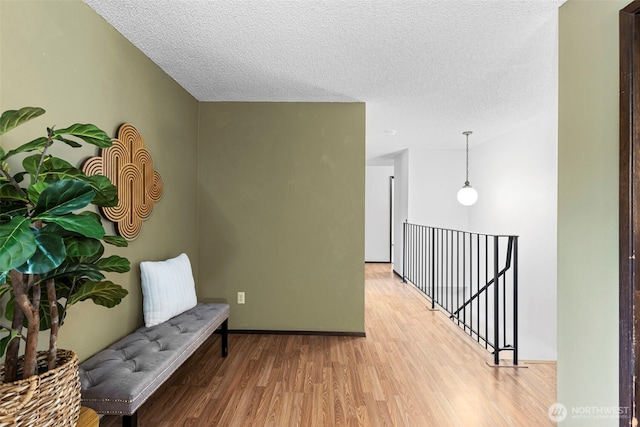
x=460 y=272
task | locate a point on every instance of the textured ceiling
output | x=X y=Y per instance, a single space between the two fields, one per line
x=427 y=69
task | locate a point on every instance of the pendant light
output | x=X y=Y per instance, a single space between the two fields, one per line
x=467 y=195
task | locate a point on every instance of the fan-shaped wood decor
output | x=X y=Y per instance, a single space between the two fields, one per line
x=130 y=168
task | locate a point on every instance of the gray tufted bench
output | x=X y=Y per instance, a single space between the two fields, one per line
x=120 y=378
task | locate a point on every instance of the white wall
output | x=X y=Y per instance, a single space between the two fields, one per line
x=377 y=218
x=525 y=158
x=435 y=176
x=401 y=205
x=516 y=178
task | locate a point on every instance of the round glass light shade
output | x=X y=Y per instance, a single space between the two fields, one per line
x=467 y=195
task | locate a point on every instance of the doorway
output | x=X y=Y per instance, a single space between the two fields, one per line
x=378 y=214
x=391 y=218
x=629 y=208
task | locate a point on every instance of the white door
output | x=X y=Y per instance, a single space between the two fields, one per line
x=378 y=214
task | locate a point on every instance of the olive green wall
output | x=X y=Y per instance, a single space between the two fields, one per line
x=62 y=56
x=588 y=208
x=281 y=185
x=281 y=194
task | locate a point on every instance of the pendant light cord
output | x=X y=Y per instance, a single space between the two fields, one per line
x=467 y=176
x=467 y=133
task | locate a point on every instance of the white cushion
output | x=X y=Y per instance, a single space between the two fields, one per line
x=168 y=289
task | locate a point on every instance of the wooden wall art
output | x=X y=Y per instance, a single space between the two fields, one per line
x=130 y=168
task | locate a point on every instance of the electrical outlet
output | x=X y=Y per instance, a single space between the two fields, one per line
x=240 y=297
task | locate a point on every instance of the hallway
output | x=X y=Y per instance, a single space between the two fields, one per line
x=415 y=368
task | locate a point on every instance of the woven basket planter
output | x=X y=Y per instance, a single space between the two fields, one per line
x=49 y=399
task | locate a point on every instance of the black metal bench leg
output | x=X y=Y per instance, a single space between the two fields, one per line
x=225 y=337
x=130 y=420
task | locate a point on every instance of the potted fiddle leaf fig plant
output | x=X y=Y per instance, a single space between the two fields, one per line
x=51 y=256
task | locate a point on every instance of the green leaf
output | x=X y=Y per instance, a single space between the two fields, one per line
x=9 y=307
x=82 y=246
x=19 y=177
x=85 y=259
x=117 y=241
x=45 y=313
x=17 y=243
x=88 y=133
x=56 y=163
x=63 y=197
x=82 y=224
x=67 y=141
x=8 y=210
x=14 y=118
x=4 y=342
x=114 y=264
x=105 y=293
x=53 y=175
x=93 y=215
x=55 y=228
x=5 y=287
x=93 y=258
x=50 y=253
x=74 y=270
x=106 y=192
x=53 y=168
x=36 y=189
x=9 y=192
x=30 y=163
x=36 y=144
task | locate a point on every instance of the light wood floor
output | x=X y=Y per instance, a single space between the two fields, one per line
x=414 y=368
